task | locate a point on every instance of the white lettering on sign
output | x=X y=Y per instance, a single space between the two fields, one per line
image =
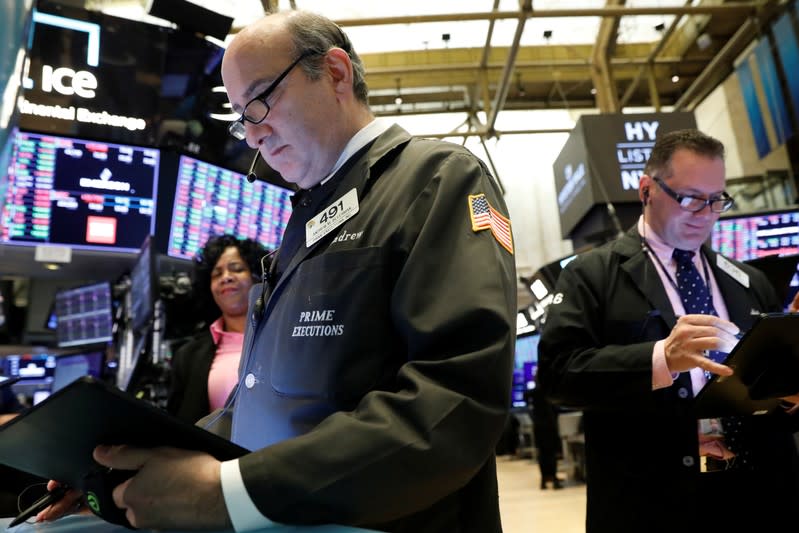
x=640 y=131
x=633 y=153
x=575 y=181
x=66 y=81
x=81 y=114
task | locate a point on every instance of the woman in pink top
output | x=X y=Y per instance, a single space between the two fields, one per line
x=205 y=369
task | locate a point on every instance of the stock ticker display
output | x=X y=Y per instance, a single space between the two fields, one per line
x=79 y=193
x=84 y=315
x=745 y=237
x=211 y=200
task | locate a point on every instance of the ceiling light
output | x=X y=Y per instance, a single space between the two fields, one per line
x=675 y=78
x=703 y=41
x=593 y=90
x=51 y=266
x=398 y=98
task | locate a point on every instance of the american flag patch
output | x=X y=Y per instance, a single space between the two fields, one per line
x=486 y=217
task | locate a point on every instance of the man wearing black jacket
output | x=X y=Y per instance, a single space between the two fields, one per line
x=619 y=345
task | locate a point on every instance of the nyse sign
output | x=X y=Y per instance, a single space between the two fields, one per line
x=633 y=153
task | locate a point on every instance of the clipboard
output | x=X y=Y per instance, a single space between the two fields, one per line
x=765 y=365
x=55 y=438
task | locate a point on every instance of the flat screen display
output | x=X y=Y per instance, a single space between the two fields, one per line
x=525 y=365
x=84 y=315
x=79 y=193
x=212 y=200
x=142 y=287
x=70 y=367
x=753 y=235
x=30 y=368
x=92 y=75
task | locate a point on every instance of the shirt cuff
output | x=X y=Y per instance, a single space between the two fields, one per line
x=661 y=377
x=243 y=513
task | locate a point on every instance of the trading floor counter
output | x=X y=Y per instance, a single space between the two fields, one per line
x=92 y=524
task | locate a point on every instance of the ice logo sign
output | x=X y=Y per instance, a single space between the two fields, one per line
x=633 y=152
x=65 y=80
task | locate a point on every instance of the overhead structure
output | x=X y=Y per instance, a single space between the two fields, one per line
x=679 y=69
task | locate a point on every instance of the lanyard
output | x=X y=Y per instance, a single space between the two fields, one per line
x=648 y=250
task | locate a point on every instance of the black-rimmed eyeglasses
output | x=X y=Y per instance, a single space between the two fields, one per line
x=256 y=110
x=694 y=204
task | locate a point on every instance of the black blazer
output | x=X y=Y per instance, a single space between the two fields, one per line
x=595 y=354
x=188 y=390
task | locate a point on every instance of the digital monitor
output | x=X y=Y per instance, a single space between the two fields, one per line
x=143 y=288
x=70 y=367
x=35 y=373
x=525 y=365
x=83 y=77
x=79 y=193
x=211 y=200
x=754 y=235
x=84 y=315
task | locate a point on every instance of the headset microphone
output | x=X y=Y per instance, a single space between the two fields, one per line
x=251 y=177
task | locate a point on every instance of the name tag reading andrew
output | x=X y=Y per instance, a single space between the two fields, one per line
x=332 y=217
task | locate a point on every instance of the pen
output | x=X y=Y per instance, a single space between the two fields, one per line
x=42 y=503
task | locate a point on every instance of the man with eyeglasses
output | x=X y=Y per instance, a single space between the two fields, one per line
x=376 y=372
x=631 y=337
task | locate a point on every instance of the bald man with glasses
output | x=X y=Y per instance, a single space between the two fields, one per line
x=634 y=331
x=375 y=377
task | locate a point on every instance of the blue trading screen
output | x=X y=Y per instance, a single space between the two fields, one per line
x=524 y=367
x=30 y=367
x=745 y=237
x=211 y=200
x=84 y=315
x=68 y=368
x=79 y=193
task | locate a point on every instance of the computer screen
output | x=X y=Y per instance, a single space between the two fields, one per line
x=70 y=367
x=754 y=235
x=35 y=371
x=79 y=193
x=143 y=286
x=211 y=200
x=525 y=365
x=84 y=315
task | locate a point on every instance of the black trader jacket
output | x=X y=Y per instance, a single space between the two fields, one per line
x=188 y=375
x=642 y=445
x=376 y=382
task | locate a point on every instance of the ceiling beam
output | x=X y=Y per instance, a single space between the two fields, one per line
x=718 y=67
x=601 y=72
x=648 y=68
x=502 y=91
x=607 y=11
x=738 y=7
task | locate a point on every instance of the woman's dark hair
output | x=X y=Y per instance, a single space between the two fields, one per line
x=251 y=252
